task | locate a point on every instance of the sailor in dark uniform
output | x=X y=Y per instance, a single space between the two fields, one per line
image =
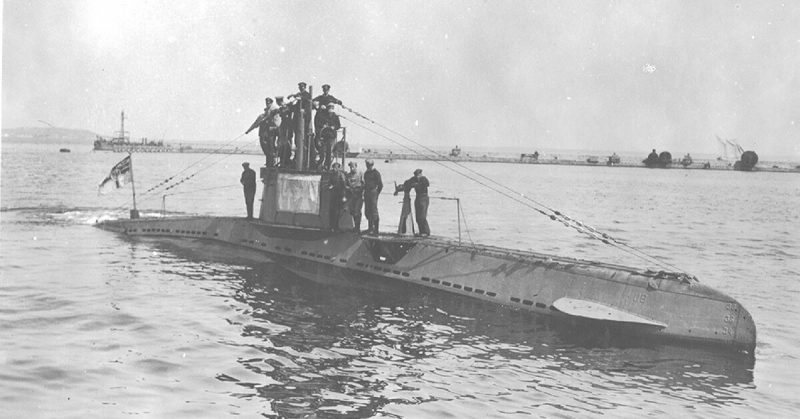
x=285 y=133
x=302 y=100
x=355 y=194
x=301 y=107
x=327 y=135
x=373 y=185
x=420 y=184
x=337 y=184
x=267 y=124
x=321 y=103
x=248 y=182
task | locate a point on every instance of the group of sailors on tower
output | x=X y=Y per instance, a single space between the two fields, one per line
x=276 y=127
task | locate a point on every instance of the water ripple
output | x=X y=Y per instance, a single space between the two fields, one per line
x=97 y=325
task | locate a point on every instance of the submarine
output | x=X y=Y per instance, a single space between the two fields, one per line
x=293 y=230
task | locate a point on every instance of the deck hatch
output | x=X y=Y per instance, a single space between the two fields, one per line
x=388 y=252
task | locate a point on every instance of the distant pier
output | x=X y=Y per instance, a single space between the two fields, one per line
x=388 y=156
x=588 y=160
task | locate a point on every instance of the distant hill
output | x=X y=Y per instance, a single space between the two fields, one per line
x=48 y=135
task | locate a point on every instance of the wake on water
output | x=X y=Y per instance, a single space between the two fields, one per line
x=76 y=215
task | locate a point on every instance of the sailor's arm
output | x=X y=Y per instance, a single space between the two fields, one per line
x=424 y=182
x=408 y=185
x=255 y=124
x=315 y=102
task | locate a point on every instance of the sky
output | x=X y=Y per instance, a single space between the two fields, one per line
x=582 y=75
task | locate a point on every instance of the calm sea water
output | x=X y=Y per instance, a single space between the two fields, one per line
x=93 y=324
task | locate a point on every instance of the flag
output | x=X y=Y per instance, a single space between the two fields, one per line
x=119 y=176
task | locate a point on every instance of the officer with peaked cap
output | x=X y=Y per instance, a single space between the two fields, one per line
x=248 y=181
x=373 y=185
x=285 y=133
x=302 y=99
x=421 y=201
x=337 y=184
x=302 y=107
x=326 y=136
x=355 y=194
x=267 y=124
x=321 y=103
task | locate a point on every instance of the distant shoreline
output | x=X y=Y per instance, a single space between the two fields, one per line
x=63 y=136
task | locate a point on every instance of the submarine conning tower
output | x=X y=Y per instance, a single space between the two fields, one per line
x=299 y=199
x=299 y=196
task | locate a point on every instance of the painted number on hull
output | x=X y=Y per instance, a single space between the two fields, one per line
x=639 y=298
x=732 y=310
x=730 y=317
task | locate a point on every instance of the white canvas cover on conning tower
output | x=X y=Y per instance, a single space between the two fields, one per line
x=298 y=193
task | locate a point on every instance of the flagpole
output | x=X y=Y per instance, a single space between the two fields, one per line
x=134 y=211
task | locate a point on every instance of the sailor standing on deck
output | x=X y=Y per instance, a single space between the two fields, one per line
x=248 y=182
x=321 y=103
x=302 y=101
x=327 y=135
x=301 y=107
x=355 y=194
x=337 y=185
x=373 y=185
x=285 y=133
x=267 y=124
x=420 y=184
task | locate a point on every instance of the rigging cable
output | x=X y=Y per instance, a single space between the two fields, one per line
x=169 y=179
x=554 y=215
x=466 y=227
x=213 y=152
x=203 y=190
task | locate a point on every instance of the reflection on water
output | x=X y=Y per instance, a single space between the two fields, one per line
x=336 y=349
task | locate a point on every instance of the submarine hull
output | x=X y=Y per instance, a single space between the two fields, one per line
x=660 y=305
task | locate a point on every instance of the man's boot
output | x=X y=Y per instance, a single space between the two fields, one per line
x=357 y=222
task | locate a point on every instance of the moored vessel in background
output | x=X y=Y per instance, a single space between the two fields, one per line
x=121 y=143
x=658 y=160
